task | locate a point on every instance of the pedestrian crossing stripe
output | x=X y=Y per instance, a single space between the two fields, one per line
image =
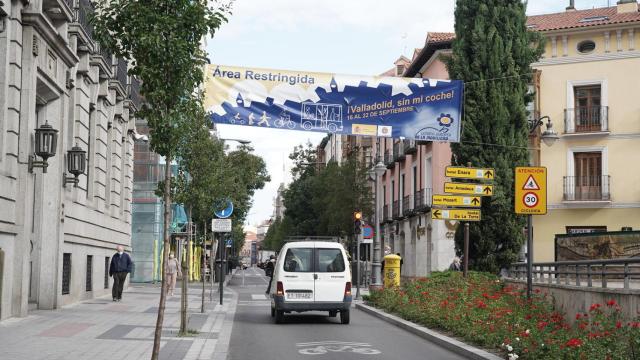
x=531 y=184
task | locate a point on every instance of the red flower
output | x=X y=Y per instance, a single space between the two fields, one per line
x=542 y=325
x=635 y=324
x=595 y=307
x=618 y=325
x=481 y=305
x=573 y=343
x=611 y=302
x=578 y=316
x=528 y=317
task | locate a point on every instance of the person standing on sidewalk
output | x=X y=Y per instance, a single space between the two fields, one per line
x=173 y=270
x=119 y=268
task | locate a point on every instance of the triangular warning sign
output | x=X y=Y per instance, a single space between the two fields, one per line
x=531 y=184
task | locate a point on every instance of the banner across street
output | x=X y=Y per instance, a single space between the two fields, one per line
x=411 y=108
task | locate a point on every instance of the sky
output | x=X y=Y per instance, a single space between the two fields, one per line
x=336 y=36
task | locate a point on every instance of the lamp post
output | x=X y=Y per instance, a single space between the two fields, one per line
x=549 y=137
x=377 y=171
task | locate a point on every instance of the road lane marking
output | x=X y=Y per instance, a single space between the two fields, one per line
x=258 y=297
x=324 y=347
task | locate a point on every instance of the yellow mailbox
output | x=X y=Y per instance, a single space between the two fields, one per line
x=391 y=270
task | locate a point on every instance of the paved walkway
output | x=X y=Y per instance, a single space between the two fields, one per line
x=99 y=329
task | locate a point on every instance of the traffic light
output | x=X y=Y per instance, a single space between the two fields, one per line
x=357 y=222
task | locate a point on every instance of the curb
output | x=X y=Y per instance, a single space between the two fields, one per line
x=446 y=342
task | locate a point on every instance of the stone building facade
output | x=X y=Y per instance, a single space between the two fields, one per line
x=55 y=240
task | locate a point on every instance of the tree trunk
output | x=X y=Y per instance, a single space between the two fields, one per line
x=165 y=255
x=186 y=269
x=204 y=257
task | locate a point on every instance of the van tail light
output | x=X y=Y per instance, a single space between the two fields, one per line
x=279 y=289
x=347 y=289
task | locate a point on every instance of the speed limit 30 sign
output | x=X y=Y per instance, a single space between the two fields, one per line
x=531 y=190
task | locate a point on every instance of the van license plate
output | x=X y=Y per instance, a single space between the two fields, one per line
x=304 y=295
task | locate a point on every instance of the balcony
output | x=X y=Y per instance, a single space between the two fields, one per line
x=586 y=120
x=388 y=159
x=386 y=215
x=83 y=12
x=398 y=151
x=121 y=72
x=134 y=92
x=410 y=147
x=587 y=188
x=395 y=210
x=407 y=206
x=423 y=200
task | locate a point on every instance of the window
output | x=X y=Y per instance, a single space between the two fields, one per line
x=587 y=108
x=106 y=272
x=89 y=274
x=415 y=183
x=66 y=273
x=299 y=260
x=587 y=46
x=588 y=175
x=329 y=260
x=399 y=70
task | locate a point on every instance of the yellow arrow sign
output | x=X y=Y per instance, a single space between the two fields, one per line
x=453 y=200
x=469 y=173
x=456 y=214
x=470 y=189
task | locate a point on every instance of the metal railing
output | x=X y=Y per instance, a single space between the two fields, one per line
x=386 y=215
x=410 y=147
x=395 y=209
x=388 y=157
x=398 y=151
x=106 y=55
x=586 y=188
x=407 y=205
x=586 y=119
x=83 y=12
x=134 y=92
x=423 y=199
x=609 y=273
x=121 y=72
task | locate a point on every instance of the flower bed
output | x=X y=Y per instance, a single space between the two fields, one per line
x=486 y=312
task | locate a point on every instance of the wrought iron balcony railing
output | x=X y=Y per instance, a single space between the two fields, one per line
x=586 y=119
x=134 y=92
x=410 y=147
x=83 y=12
x=587 y=188
x=395 y=210
x=407 y=206
x=121 y=72
x=398 y=151
x=423 y=200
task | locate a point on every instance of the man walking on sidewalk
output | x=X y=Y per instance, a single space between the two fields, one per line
x=119 y=268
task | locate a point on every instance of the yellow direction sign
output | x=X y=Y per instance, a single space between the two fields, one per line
x=455 y=214
x=469 y=173
x=453 y=200
x=531 y=190
x=468 y=189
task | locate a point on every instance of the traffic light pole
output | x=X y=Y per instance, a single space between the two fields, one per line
x=358 y=241
x=222 y=270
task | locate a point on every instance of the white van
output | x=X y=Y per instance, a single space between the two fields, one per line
x=311 y=276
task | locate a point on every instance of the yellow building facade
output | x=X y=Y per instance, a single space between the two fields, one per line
x=589 y=85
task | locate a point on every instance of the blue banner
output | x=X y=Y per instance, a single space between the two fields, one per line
x=410 y=108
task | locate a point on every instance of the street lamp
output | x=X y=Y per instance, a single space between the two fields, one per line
x=46 y=139
x=377 y=171
x=549 y=136
x=76 y=164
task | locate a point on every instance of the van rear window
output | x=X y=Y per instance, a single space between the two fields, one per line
x=330 y=260
x=298 y=260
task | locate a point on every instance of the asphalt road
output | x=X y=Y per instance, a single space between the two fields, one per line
x=313 y=334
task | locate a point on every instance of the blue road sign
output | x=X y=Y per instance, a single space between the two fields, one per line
x=367 y=232
x=226 y=212
x=229 y=243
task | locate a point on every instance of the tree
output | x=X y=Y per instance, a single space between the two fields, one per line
x=162 y=41
x=493 y=52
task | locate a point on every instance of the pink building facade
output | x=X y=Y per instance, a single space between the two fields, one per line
x=415 y=171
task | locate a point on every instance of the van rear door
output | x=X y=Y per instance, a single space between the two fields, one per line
x=297 y=275
x=331 y=274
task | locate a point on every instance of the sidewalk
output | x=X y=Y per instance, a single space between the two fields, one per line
x=100 y=329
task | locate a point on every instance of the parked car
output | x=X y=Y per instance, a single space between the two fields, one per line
x=311 y=276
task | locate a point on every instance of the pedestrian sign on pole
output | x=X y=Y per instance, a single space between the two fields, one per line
x=531 y=190
x=455 y=200
x=469 y=173
x=456 y=214
x=229 y=243
x=468 y=189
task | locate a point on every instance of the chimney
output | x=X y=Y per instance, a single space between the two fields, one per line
x=627 y=6
x=572 y=5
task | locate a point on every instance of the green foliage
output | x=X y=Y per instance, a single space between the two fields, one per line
x=492 y=53
x=485 y=311
x=321 y=200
